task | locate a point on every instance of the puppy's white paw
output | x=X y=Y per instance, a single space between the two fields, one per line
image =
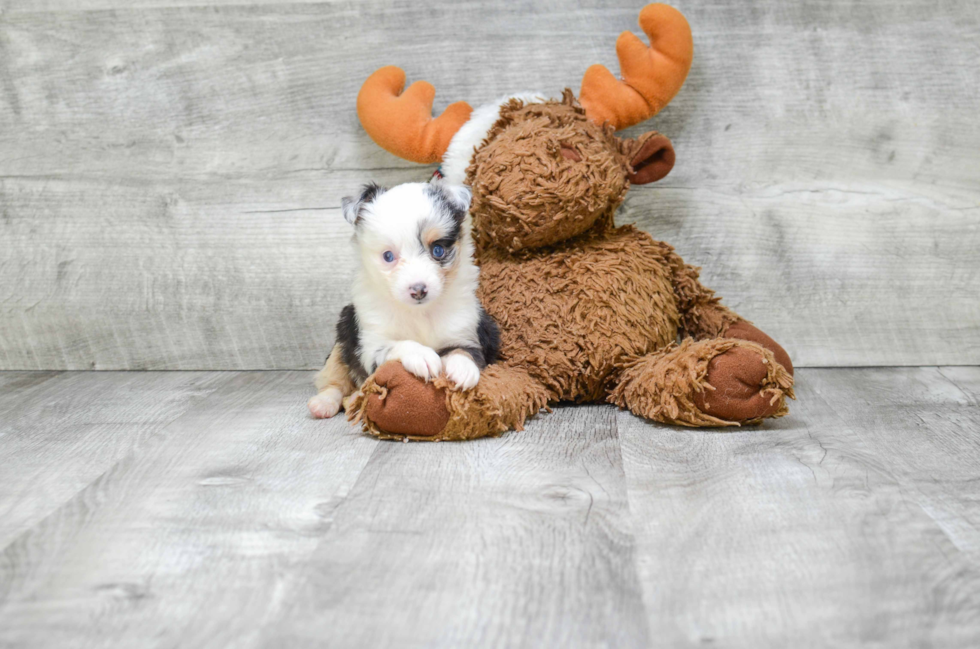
x=326 y=404
x=418 y=359
x=462 y=371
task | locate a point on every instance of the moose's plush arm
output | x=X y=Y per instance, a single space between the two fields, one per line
x=395 y=404
x=704 y=317
x=715 y=382
x=701 y=313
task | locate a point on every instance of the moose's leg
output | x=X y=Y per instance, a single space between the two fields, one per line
x=717 y=382
x=704 y=317
x=733 y=376
x=395 y=404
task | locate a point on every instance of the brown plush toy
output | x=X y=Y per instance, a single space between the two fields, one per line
x=587 y=311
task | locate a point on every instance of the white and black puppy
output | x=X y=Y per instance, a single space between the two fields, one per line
x=414 y=293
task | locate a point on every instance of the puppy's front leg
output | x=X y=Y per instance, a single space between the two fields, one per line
x=415 y=357
x=462 y=367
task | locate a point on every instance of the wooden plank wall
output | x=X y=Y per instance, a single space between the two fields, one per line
x=170 y=176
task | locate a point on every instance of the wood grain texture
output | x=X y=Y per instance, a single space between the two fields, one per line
x=522 y=541
x=64 y=6
x=186 y=540
x=169 y=176
x=852 y=522
x=60 y=433
x=242 y=522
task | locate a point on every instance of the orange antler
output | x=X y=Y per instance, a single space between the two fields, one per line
x=651 y=75
x=402 y=123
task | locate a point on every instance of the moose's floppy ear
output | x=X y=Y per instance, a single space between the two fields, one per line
x=352 y=206
x=651 y=157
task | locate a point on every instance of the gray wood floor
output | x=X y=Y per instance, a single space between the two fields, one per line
x=206 y=509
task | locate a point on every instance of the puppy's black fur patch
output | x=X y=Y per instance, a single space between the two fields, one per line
x=448 y=241
x=352 y=207
x=349 y=339
x=449 y=215
x=454 y=230
x=370 y=191
x=489 y=336
x=453 y=207
x=450 y=255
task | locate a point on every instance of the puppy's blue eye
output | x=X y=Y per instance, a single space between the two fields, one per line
x=438 y=251
x=388 y=256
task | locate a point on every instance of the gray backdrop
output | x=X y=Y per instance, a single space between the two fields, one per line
x=170 y=177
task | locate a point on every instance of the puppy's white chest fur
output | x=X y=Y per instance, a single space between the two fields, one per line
x=436 y=329
x=451 y=322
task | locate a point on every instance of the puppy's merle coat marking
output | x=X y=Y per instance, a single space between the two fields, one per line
x=349 y=344
x=414 y=297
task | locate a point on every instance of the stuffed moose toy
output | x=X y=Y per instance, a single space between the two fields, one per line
x=587 y=311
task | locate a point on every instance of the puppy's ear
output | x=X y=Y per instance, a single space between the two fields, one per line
x=352 y=207
x=459 y=196
x=455 y=199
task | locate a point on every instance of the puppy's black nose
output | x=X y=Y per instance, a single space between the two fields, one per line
x=418 y=291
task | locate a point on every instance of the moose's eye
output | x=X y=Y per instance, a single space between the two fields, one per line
x=388 y=256
x=438 y=251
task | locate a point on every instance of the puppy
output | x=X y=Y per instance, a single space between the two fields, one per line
x=414 y=293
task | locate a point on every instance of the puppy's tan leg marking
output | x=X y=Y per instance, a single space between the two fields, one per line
x=332 y=383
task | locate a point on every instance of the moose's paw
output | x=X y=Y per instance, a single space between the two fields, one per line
x=745 y=331
x=739 y=378
x=408 y=405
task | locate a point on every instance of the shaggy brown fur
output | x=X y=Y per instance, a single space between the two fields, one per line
x=587 y=311
x=573 y=314
x=685 y=395
x=502 y=401
x=544 y=195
